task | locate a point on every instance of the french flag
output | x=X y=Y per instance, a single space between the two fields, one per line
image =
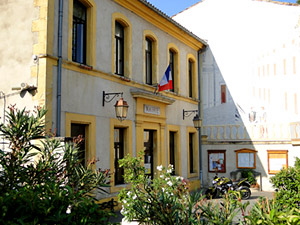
x=166 y=82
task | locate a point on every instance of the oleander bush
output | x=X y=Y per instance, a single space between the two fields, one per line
x=42 y=181
x=225 y=211
x=167 y=200
x=163 y=200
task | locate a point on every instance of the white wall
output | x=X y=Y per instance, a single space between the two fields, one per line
x=246 y=39
x=244 y=35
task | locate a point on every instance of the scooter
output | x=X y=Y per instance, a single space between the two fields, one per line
x=220 y=186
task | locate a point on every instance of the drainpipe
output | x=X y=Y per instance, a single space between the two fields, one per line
x=199 y=114
x=58 y=107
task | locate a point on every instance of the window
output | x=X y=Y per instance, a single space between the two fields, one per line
x=119 y=49
x=120 y=134
x=216 y=161
x=172 y=66
x=78 y=130
x=172 y=150
x=85 y=125
x=277 y=160
x=79 y=32
x=151 y=63
x=118 y=154
x=191 y=152
x=121 y=46
x=190 y=78
x=223 y=93
x=173 y=54
x=148 y=60
x=245 y=158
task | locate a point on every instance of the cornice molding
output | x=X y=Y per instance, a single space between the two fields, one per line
x=138 y=93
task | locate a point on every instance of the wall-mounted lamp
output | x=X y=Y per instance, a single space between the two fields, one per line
x=25 y=88
x=121 y=105
x=197 y=122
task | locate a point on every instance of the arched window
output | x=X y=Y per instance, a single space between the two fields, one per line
x=79 y=32
x=82 y=41
x=148 y=61
x=191 y=76
x=172 y=66
x=150 y=49
x=119 y=49
x=173 y=54
x=121 y=45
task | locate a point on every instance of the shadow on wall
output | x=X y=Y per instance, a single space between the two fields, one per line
x=236 y=136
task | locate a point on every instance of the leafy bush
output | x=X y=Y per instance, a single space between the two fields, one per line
x=224 y=212
x=163 y=200
x=283 y=209
x=287 y=182
x=42 y=182
x=269 y=212
x=248 y=173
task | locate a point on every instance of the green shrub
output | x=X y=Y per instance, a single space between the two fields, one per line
x=287 y=182
x=248 y=173
x=42 y=182
x=267 y=211
x=224 y=211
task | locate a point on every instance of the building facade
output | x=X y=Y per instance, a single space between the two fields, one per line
x=72 y=56
x=250 y=77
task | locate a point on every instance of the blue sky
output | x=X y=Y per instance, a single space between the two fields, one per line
x=172 y=7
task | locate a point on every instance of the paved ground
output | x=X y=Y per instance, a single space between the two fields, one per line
x=254 y=197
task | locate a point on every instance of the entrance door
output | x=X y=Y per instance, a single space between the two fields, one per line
x=148 y=152
x=76 y=130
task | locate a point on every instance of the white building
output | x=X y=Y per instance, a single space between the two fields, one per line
x=251 y=74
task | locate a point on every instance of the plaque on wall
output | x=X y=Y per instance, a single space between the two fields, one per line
x=151 y=109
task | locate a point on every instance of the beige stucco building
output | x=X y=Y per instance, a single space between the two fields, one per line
x=65 y=55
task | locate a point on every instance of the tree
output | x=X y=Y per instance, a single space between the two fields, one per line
x=43 y=181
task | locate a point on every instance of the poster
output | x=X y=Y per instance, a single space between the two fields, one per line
x=216 y=161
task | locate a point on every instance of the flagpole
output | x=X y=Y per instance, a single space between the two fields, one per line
x=156 y=89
